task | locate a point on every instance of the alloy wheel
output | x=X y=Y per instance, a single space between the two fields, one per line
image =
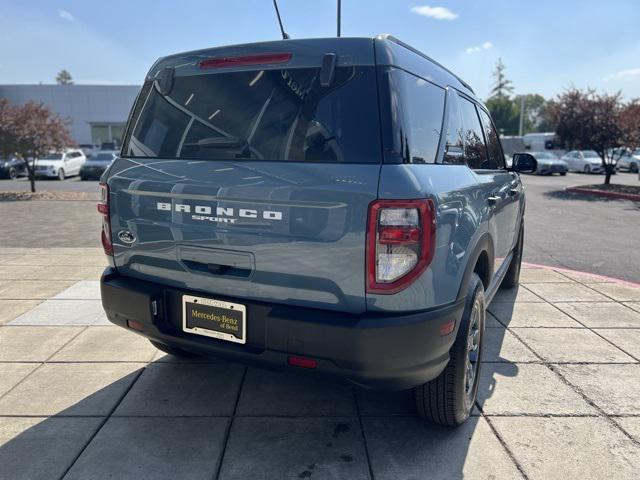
x=473 y=351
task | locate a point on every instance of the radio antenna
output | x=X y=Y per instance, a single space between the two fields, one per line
x=285 y=35
x=339 y=15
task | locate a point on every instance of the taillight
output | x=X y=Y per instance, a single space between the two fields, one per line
x=400 y=243
x=259 y=59
x=103 y=209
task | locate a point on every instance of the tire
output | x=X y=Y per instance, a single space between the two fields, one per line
x=562 y=174
x=587 y=169
x=61 y=175
x=83 y=178
x=633 y=168
x=448 y=399
x=13 y=174
x=512 y=277
x=173 y=351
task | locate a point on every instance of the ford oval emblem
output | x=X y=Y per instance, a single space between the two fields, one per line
x=126 y=237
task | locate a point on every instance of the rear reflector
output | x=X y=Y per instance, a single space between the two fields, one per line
x=447 y=328
x=302 y=362
x=260 y=59
x=132 y=324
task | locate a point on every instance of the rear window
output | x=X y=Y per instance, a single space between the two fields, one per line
x=280 y=115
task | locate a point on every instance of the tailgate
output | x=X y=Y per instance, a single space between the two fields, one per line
x=280 y=232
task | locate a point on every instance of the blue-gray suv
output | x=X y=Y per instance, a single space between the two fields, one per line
x=340 y=206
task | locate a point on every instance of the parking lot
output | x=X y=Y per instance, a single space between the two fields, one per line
x=80 y=398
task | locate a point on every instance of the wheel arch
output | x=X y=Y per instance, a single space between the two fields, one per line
x=480 y=261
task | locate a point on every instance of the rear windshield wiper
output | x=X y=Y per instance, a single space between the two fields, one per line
x=231 y=143
x=219 y=142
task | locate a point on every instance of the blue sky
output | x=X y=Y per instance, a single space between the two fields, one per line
x=546 y=45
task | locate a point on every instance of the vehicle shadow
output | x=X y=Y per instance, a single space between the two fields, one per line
x=494 y=364
x=137 y=427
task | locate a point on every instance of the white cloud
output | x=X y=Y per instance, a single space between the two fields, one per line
x=478 y=48
x=66 y=15
x=623 y=75
x=439 y=13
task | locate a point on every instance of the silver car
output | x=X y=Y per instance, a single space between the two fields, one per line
x=586 y=161
x=630 y=161
x=548 y=164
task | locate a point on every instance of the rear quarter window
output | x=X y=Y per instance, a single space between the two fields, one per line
x=414 y=117
x=271 y=115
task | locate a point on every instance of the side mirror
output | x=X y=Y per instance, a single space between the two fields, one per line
x=524 y=163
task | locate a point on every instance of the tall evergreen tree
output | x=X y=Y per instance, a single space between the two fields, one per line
x=502 y=86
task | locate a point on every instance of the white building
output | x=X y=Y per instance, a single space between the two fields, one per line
x=97 y=113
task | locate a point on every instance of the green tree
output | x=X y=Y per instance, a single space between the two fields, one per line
x=536 y=117
x=502 y=87
x=64 y=78
x=505 y=114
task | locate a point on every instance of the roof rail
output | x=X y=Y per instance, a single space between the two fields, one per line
x=391 y=38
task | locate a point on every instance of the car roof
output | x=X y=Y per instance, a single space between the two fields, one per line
x=384 y=49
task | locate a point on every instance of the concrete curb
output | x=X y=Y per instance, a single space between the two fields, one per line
x=595 y=276
x=602 y=193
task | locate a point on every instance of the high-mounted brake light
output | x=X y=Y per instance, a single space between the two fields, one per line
x=400 y=243
x=259 y=59
x=103 y=209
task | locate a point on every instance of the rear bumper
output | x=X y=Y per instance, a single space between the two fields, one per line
x=391 y=352
x=45 y=174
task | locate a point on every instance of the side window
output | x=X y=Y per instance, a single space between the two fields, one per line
x=454 y=136
x=496 y=158
x=475 y=151
x=418 y=107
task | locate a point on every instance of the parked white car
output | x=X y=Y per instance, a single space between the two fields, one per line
x=60 y=165
x=586 y=161
x=630 y=161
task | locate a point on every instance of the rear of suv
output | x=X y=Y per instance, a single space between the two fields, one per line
x=340 y=206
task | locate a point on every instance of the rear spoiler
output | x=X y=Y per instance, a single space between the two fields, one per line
x=303 y=54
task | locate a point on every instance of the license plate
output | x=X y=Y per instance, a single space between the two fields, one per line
x=214 y=318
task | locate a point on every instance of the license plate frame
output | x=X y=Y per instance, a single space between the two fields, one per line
x=210 y=311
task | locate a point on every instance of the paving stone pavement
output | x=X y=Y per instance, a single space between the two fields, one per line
x=82 y=399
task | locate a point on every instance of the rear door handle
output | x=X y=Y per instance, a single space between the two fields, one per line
x=493 y=200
